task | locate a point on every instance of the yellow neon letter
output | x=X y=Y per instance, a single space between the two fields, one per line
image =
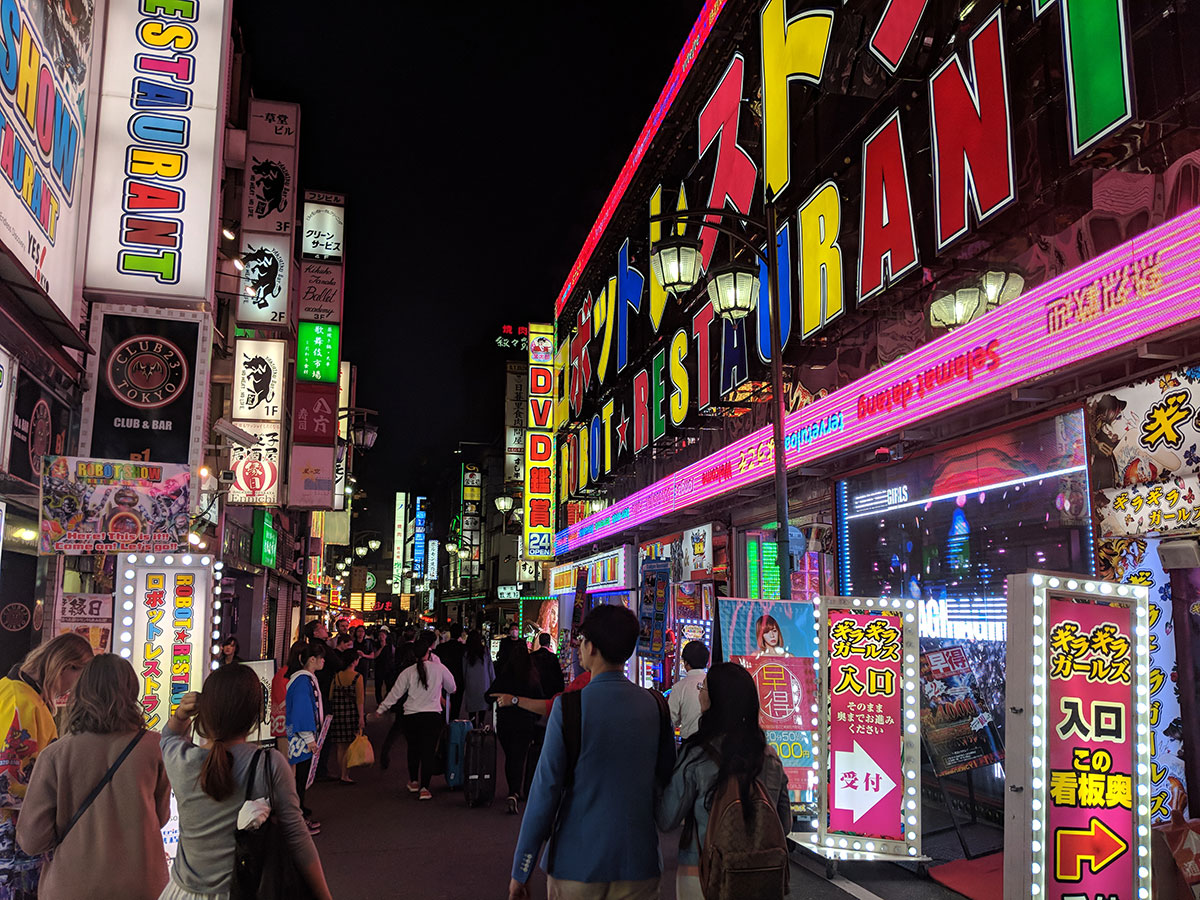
x=821 y=299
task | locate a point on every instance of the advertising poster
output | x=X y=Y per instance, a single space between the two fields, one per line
x=166 y=250
x=257 y=469
x=865 y=724
x=959 y=732
x=88 y=615
x=775 y=641
x=265 y=670
x=1091 y=825
x=149 y=384
x=40 y=424
x=320 y=292
x=310 y=477
x=698 y=553
x=1135 y=561
x=582 y=603
x=258 y=378
x=654 y=592
x=111 y=505
x=264 y=298
x=39 y=224
x=169 y=643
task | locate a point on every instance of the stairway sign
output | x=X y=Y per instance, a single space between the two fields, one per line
x=869 y=788
x=1079 y=696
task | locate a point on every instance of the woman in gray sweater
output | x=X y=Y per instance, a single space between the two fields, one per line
x=210 y=787
x=124 y=822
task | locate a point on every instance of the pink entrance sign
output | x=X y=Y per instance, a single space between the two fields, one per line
x=865 y=790
x=1091 y=828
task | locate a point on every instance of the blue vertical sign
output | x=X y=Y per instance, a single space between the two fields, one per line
x=419 y=540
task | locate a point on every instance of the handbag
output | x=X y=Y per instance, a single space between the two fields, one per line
x=263 y=867
x=108 y=776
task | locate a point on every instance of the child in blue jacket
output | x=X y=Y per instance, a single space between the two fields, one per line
x=304 y=714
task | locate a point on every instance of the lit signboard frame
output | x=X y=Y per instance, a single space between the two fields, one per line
x=1028 y=807
x=1025 y=339
x=399 y=538
x=609 y=571
x=540 y=460
x=159 y=659
x=318 y=345
x=843 y=844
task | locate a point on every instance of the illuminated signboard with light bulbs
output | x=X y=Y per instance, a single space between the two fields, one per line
x=165 y=623
x=869 y=788
x=1078 y=735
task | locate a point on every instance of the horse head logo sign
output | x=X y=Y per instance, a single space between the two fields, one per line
x=263 y=273
x=258 y=382
x=270 y=185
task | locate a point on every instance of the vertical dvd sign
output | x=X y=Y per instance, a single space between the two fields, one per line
x=1078 y=686
x=867 y=729
x=539 y=445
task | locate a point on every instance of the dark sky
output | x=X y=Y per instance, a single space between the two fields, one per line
x=476 y=143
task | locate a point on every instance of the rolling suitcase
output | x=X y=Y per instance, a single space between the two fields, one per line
x=480 y=767
x=456 y=743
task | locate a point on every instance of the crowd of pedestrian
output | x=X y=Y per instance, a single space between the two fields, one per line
x=579 y=759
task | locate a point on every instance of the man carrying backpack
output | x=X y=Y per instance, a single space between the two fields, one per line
x=730 y=793
x=608 y=750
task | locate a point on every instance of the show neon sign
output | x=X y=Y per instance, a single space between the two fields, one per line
x=1113 y=300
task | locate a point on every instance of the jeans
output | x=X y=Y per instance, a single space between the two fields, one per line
x=422 y=730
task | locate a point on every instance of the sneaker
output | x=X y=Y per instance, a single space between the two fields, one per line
x=314 y=827
x=424 y=795
x=512 y=804
x=414 y=786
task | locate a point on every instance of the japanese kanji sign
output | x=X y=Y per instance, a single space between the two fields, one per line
x=316 y=413
x=539 y=496
x=1078 y=699
x=169 y=643
x=867 y=668
x=317 y=347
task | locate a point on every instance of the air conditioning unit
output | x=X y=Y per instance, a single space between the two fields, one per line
x=1181 y=554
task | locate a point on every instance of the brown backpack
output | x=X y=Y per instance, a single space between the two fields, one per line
x=743 y=859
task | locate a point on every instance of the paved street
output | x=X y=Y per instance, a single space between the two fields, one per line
x=378 y=842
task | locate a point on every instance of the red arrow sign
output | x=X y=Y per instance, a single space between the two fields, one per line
x=1097 y=844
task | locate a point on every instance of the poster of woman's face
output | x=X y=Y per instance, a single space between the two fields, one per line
x=547 y=619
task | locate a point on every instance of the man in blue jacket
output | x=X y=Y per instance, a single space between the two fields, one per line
x=604 y=843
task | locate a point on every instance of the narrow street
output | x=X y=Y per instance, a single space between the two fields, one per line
x=378 y=842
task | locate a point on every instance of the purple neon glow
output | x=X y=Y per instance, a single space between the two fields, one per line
x=683 y=65
x=1025 y=349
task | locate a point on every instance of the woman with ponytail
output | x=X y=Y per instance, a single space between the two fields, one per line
x=728 y=744
x=210 y=787
x=421 y=687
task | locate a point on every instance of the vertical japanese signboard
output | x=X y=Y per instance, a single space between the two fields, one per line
x=419 y=540
x=868 y=784
x=399 y=536
x=515 y=397
x=1078 y=689
x=164 y=625
x=259 y=371
x=539 y=445
x=652 y=607
x=472 y=517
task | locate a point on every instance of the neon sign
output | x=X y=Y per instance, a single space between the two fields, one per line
x=1020 y=336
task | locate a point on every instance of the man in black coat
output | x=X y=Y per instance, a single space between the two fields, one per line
x=451 y=654
x=548 y=667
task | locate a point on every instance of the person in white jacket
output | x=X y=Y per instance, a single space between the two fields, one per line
x=421 y=689
x=684 y=701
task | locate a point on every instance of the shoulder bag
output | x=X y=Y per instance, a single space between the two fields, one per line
x=263 y=867
x=108 y=776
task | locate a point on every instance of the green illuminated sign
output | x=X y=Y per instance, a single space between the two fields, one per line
x=317 y=345
x=264 y=549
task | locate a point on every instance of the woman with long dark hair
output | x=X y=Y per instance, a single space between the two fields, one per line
x=103 y=723
x=478 y=674
x=516 y=728
x=729 y=743
x=422 y=686
x=210 y=787
x=29 y=697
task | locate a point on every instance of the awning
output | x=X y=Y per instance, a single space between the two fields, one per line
x=17 y=282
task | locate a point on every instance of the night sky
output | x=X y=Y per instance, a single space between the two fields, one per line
x=476 y=144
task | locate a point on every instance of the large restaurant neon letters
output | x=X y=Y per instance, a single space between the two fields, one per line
x=973 y=181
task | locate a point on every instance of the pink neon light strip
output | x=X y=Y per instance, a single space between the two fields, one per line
x=683 y=65
x=1026 y=350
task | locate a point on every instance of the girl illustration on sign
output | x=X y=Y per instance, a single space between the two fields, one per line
x=769 y=637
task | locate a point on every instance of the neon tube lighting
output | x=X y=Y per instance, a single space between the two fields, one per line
x=1023 y=341
x=1041 y=476
x=683 y=65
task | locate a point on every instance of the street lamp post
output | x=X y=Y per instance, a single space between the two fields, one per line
x=676 y=264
